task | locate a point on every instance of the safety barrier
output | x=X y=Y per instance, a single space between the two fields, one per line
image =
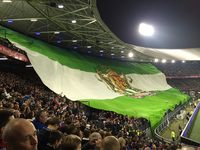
x=166 y=120
x=185 y=134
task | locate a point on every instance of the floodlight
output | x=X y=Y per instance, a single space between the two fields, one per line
x=146 y=29
x=130 y=54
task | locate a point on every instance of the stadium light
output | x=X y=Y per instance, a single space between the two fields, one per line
x=146 y=29
x=156 y=60
x=74 y=41
x=60 y=6
x=164 y=61
x=130 y=54
x=7 y=1
x=73 y=21
x=56 y=32
x=37 y=33
x=3 y=58
x=10 y=21
x=33 y=20
x=173 y=61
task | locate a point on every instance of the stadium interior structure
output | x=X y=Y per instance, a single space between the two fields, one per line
x=75 y=55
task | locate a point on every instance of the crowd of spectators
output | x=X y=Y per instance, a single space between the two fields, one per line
x=64 y=124
x=185 y=84
x=179 y=69
x=184 y=76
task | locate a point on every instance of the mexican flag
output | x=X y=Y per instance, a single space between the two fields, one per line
x=129 y=88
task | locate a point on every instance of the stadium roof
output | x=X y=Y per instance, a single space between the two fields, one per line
x=77 y=25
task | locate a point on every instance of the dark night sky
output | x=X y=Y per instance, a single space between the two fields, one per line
x=176 y=22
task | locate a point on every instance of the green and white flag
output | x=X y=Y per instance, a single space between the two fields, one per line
x=85 y=78
x=101 y=82
x=133 y=89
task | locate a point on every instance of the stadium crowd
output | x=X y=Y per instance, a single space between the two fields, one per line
x=184 y=76
x=50 y=121
x=179 y=69
x=185 y=84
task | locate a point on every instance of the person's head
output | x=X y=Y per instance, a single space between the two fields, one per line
x=55 y=138
x=53 y=123
x=71 y=142
x=20 y=134
x=110 y=143
x=17 y=113
x=86 y=133
x=41 y=116
x=95 y=139
x=122 y=143
x=16 y=105
x=5 y=117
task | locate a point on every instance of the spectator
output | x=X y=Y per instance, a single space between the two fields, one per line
x=173 y=135
x=40 y=120
x=86 y=134
x=110 y=143
x=71 y=142
x=54 y=140
x=5 y=117
x=20 y=134
x=16 y=113
x=122 y=143
x=44 y=133
x=180 y=129
x=94 y=143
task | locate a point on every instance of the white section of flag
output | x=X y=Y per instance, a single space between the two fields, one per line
x=149 y=82
x=74 y=83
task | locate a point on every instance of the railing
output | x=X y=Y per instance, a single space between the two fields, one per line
x=166 y=120
x=184 y=136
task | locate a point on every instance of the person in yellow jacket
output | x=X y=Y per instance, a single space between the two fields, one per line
x=173 y=135
x=195 y=104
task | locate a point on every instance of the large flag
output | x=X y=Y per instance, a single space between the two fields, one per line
x=95 y=80
x=129 y=88
x=81 y=77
